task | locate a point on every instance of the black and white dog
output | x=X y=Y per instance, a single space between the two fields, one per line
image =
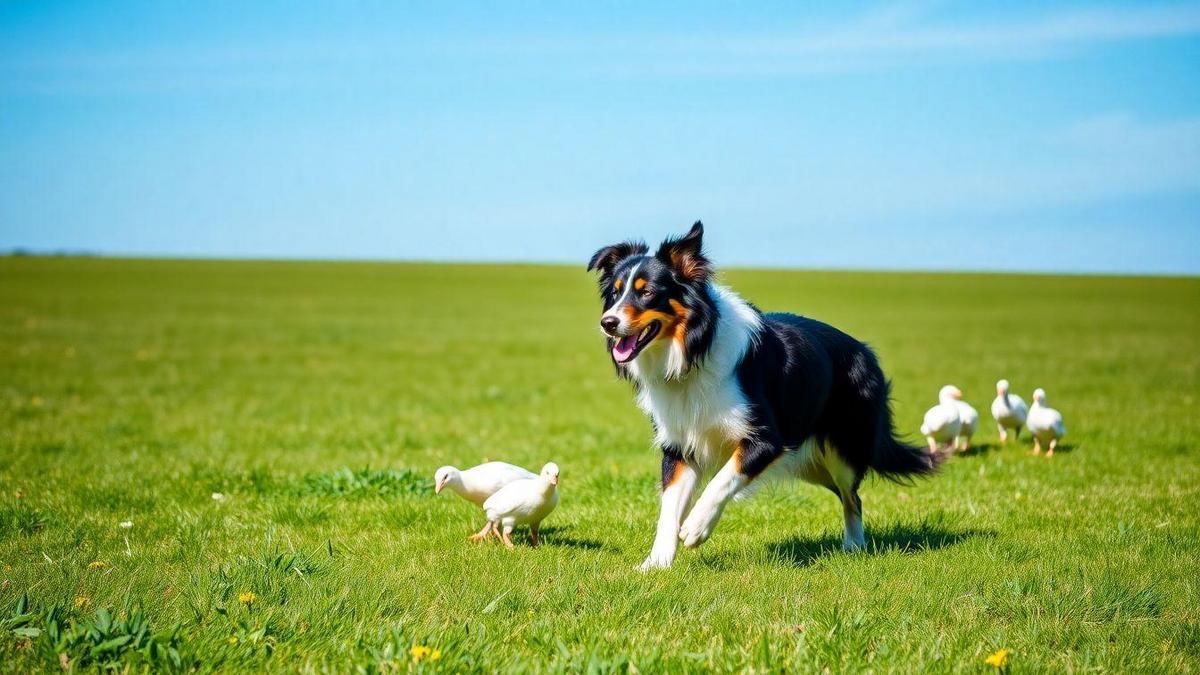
x=732 y=390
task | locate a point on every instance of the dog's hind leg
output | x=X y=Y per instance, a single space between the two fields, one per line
x=847 y=481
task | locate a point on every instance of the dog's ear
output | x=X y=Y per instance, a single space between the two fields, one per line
x=685 y=255
x=607 y=258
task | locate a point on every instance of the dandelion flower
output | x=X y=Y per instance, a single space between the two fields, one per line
x=82 y=601
x=126 y=524
x=437 y=654
x=997 y=659
x=247 y=597
x=420 y=652
x=233 y=640
x=95 y=564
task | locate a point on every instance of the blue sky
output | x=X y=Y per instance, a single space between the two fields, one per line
x=992 y=136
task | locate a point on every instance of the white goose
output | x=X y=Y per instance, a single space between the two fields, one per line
x=1009 y=411
x=478 y=483
x=942 y=423
x=523 y=502
x=967 y=415
x=1045 y=423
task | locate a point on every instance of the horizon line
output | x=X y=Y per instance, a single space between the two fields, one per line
x=19 y=252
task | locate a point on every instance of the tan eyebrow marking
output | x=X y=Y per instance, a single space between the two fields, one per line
x=639 y=284
x=619 y=283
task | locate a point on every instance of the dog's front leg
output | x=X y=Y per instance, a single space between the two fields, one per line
x=678 y=483
x=749 y=459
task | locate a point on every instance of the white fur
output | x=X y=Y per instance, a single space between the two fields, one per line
x=675 y=500
x=698 y=526
x=702 y=412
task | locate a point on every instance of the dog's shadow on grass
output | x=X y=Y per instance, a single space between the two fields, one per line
x=906 y=539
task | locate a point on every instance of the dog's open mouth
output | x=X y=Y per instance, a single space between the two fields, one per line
x=627 y=348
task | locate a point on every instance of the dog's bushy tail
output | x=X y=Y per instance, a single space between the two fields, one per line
x=900 y=462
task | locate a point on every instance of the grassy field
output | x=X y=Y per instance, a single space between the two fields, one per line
x=318 y=399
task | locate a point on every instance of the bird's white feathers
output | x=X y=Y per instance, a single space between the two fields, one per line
x=1044 y=422
x=480 y=482
x=942 y=421
x=969 y=417
x=524 y=501
x=1009 y=410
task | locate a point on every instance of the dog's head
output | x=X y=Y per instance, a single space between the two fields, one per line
x=657 y=302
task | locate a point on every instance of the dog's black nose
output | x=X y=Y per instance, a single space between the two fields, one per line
x=609 y=324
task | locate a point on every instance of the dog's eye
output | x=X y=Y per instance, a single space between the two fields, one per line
x=647 y=294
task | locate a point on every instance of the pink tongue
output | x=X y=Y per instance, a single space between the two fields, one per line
x=623 y=349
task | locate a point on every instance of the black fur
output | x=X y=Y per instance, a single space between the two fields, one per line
x=806 y=379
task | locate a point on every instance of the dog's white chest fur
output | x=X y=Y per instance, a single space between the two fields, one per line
x=702 y=413
x=702 y=419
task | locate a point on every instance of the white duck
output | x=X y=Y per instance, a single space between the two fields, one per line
x=942 y=422
x=523 y=502
x=478 y=483
x=1045 y=423
x=1009 y=411
x=967 y=415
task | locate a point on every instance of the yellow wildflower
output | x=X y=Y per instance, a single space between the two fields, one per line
x=95 y=565
x=233 y=640
x=997 y=659
x=420 y=652
x=82 y=601
x=437 y=654
x=247 y=597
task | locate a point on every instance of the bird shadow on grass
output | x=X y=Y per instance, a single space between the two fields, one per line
x=556 y=536
x=906 y=539
x=977 y=450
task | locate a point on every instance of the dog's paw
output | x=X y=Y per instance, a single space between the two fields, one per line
x=655 y=561
x=697 y=528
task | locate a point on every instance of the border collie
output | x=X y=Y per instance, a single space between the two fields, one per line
x=740 y=393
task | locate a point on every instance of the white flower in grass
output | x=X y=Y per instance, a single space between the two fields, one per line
x=218 y=497
x=126 y=524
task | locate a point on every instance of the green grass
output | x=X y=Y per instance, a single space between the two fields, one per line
x=319 y=398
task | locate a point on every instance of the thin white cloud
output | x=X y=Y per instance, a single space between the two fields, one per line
x=901 y=33
x=884 y=38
